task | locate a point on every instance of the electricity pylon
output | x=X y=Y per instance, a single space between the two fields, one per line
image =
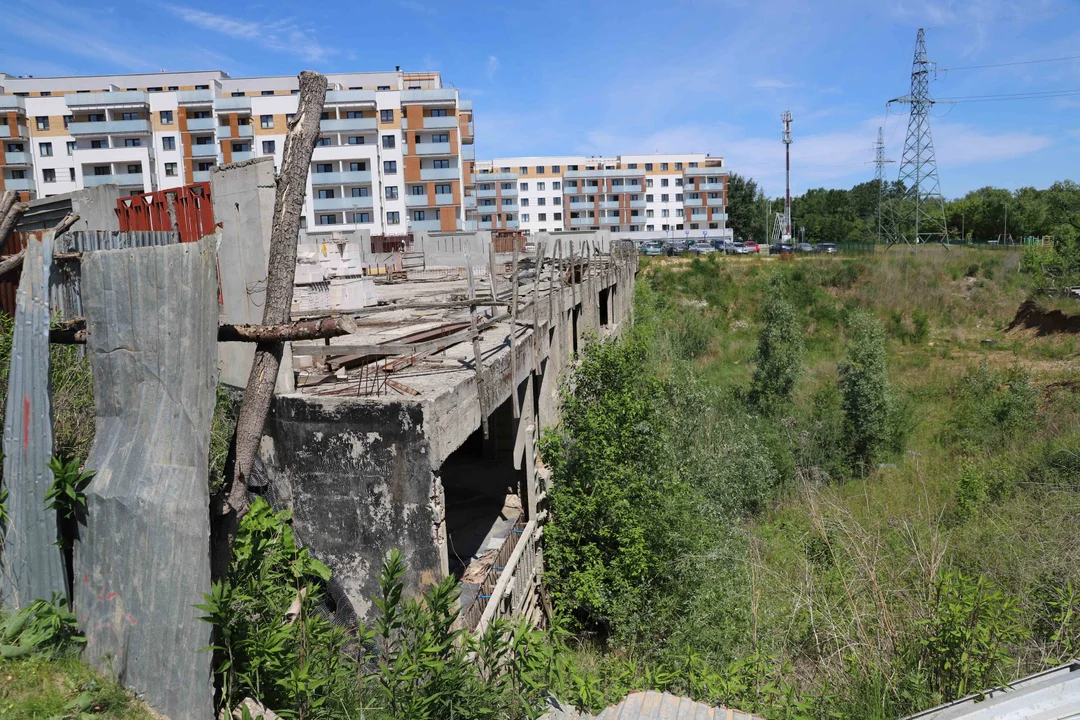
x=879 y=175
x=786 y=120
x=919 y=216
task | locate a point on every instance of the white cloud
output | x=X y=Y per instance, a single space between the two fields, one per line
x=284 y=35
x=492 y=66
x=53 y=25
x=774 y=84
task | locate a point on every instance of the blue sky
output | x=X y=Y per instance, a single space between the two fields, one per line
x=587 y=77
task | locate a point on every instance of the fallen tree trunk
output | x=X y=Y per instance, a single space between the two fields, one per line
x=287 y=332
x=8 y=220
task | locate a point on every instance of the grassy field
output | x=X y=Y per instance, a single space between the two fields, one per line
x=846 y=572
x=40 y=686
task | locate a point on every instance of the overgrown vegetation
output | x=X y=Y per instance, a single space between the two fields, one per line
x=896 y=529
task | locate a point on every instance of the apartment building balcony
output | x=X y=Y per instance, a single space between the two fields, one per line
x=350 y=97
x=470 y=202
x=468 y=153
x=429 y=225
x=609 y=221
x=348 y=177
x=12 y=102
x=440 y=123
x=496 y=176
x=433 y=148
x=121 y=179
x=512 y=224
x=17 y=159
x=609 y=205
x=117 y=98
x=468 y=225
x=615 y=173
x=19 y=184
x=417 y=201
x=444 y=198
x=693 y=202
x=439 y=173
x=432 y=96
x=206 y=150
x=200 y=176
x=110 y=127
x=20 y=131
x=583 y=190
x=224 y=132
x=705 y=172
x=717 y=217
x=468 y=133
x=512 y=207
x=637 y=203
x=197 y=124
x=579 y=221
x=232 y=104
x=365 y=202
x=242 y=155
x=716 y=202
x=195 y=97
x=486 y=193
x=348 y=125
x=465 y=105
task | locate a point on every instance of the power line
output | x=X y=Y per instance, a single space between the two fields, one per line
x=1009 y=64
x=1011 y=96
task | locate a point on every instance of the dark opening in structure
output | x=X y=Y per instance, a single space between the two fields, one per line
x=604 y=306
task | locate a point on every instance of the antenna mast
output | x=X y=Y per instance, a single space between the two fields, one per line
x=920 y=214
x=786 y=120
x=879 y=175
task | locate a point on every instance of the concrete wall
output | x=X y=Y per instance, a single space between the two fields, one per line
x=96 y=208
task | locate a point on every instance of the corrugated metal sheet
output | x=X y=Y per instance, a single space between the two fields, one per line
x=33 y=567
x=143 y=559
x=150 y=211
x=65 y=298
x=652 y=705
x=1049 y=695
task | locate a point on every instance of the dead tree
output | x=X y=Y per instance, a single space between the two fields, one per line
x=10 y=212
x=303 y=132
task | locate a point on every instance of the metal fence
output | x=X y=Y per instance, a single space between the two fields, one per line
x=472 y=614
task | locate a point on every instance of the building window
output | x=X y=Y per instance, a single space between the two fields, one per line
x=648 y=167
x=168 y=143
x=289 y=117
x=438 y=112
x=71 y=174
x=391 y=192
x=267 y=92
x=356 y=139
x=417 y=190
x=440 y=164
x=132 y=142
x=326 y=194
x=240 y=147
x=134 y=169
x=389 y=167
x=46 y=149
x=328 y=219
x=205 y=166
x=678 y=182
x=269 y=146
x=362 y=217
x=170 y=169
x=648 y=182
x=418 y=215
x=524 y=202
x=542 y=217
x=678 y=197
x=678 y=166
x=393 y=218
x=648 y=198
x=509 y=201
x=665 y=213
x=388 y=141
x=541 y=201
x=384 y=87
x=166 y=117
x=48 y=175
x=237 y=94
x=663 y=182
x=386 y=116
x=70 y=147
x=42 y=122
x=648 y=213
x=556 y=200
x=442 y=189
x=558 y=216
x=524 y=187
x=525 y=217
x=354 y=114
x=632 y=166
x=266 y=121
x=130 y=116
x=664 y=197
x=361 y=192
x=357 y=167
x=324 y=142
x=440 y=138
x=324 y=167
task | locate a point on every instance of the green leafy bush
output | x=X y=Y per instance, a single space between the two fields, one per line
x=992 y=406
x=778 y=361
x=869 y=410
x=42 y=626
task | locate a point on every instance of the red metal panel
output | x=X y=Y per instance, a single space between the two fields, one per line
x=150 y=211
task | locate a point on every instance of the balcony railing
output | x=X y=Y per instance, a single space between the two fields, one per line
x=428 y=225
x=121 y=179
x=19 y=183
x=433 y=148
x=716 y=202
x=200 y=176
x=439 y=173
x=440 y=123
x=224 y=132
x=414 y=201
x=365 y=202
x=704 y=171
x=348 y=125
x=195 y=97
x=17 y=158
x=350 y=97
x=206 y=150
x=232 y=104
x=468 y=153
x=20 y=131
x=104 y=99
x=196 y=124
x=110 y=127
x=12 y=102
x=242 y=155
x=348 y=177
x=433 y=95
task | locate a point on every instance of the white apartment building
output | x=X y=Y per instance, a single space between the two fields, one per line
x=395 y=153
x=638 y=196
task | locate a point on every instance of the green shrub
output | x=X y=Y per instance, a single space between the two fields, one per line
x=869 y=412
x=992 y=406
x=778 y=361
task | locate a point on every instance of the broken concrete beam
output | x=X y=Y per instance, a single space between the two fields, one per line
x=142 y=560
x=32 y=565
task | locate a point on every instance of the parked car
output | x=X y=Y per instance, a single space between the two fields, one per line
x=676 y=247
x=804 y=247
x=653 y=248
x=752 y=246
x=529 y=248
x=737 y=248
x=781 y=249
x=719 y=244
x=702 y=248
x=827 y=248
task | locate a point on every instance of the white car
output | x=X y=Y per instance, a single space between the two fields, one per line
x=702 y=248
